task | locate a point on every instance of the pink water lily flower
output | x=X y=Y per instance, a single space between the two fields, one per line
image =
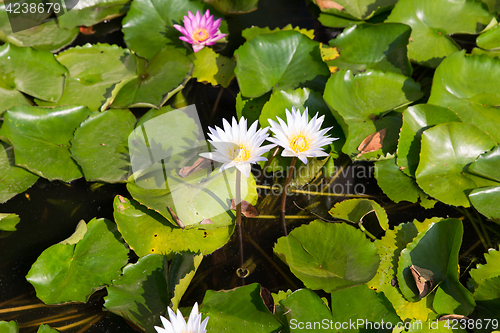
x=200 y=31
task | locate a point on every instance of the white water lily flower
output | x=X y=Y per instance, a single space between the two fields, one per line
x=236 y=146
x=300 y=137
x=177 y=324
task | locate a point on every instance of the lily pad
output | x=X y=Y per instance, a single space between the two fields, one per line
x=33 y=72
x=158 y=80
x=146 y=288
x=446 y=151
x=485 y=200
x=47 y=36
x=148 y=26
x=195 y=198
x=239 y=310
x=389 y=249
x=487 y=165
x=436 y=249
x=41 y=139
x=252 y=32
x=279 y=61
x=100 y=145
x=8 y=221
x=9 y=326
x=302 y=308
x=486 y=271
x=432 y=21
x=213 y=68
x=358 y=52
x=13 y=179
x=328 y=256
x=459 y=84
x=487 y=296
x=355 y=210
x=416 y=119
x=90 y=12
x=72 y=272
x=398 y=186
x=96 y=72
x=357 y=9
x=489 y=40
x=366 y=98
x=347 y=308
x=146 y=232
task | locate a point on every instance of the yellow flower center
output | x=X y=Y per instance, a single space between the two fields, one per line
x=298 y=143
x=239 y=153
x=200 y=35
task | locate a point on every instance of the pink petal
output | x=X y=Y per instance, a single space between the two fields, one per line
x=197 y=47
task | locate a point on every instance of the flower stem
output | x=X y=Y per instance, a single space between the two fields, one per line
x=285 y=192
x=238 y=224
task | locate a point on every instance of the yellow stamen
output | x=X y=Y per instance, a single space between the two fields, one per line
x=200 y=35
x=239 y=153
x=298 y=143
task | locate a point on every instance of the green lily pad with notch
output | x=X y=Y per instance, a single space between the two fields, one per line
x=96 y=74
x=213 y=68
x=302 y=308
x=238 y=310
x=447 y=149
x=46 y=329
x=489 y=40
x=375 y=307
x=72 y=272
x=13 y=179
x=436 y=249
x=33 y=72
x=202 y=195
x=47 y=36
x=417 y=119
x=8 y=221
x=90 y=12
x=459 y=84
x=485 y=200
x=487 y=165
x=328 y=256
x=9 y=326
x=279 y=61
x=355 y=210
x=252 y=32
x=398 y=186
x=432 y=21
x=483 y=272
x=157 y=80
x=250 y=108
x=366 y=100
x=100 y=145
x=41 y=139
x=147 y=287
x=234 y=6
x=357 y=9
x=358 y=52
x=146 y=232
x=148 y=26
x=10 y=98
x=389 y=249
x=301 y=98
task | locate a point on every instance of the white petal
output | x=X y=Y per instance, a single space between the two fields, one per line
x=245 y=169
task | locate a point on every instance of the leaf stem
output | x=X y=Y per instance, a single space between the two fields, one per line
x=285 y=193
x=366 y=231
x=238 y=223
x=483 y=228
